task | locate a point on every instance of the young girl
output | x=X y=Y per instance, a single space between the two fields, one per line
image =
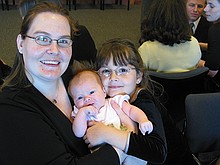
x=120 y=52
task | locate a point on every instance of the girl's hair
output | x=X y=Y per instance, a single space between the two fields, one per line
x=17 y=76
x=166 y=22
x=123 y=53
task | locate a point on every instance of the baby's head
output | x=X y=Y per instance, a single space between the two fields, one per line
x=86 y=89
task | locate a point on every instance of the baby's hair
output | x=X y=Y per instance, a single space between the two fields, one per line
x=81 y=66
x=78 y=74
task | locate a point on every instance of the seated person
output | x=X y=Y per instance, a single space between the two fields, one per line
x=88 y=94
x=4 y=71
x=166 y=42
x=195 y=10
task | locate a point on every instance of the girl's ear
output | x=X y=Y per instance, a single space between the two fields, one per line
x=139 y=77
x=20 y=43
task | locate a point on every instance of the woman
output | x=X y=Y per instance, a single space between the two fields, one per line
x=133 y=80
x=212 y=61
x=166 y=43
x=35 y=110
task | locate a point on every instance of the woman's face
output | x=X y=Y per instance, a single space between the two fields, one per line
x=120 y=84
x=45 y=62
x=212 y=10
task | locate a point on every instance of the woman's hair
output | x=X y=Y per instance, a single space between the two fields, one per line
x=123 y=52
x=25 y=5
x=166 y=22
x=17 y=76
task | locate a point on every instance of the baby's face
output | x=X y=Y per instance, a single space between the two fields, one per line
x=87 y=91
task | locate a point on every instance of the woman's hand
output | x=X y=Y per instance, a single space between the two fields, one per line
x=125 y=120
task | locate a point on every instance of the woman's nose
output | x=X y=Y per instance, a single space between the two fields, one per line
x=53 y=48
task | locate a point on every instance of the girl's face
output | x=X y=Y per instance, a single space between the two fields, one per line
x=48 y=62
x=212 y=10
x=121 y=80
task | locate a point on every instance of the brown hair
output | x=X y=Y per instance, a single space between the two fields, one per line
x=166 y=22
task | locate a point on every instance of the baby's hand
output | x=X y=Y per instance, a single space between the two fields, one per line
x=146 y=127
x=90 y=110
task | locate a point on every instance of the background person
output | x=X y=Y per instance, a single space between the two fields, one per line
x=4 y=71
x=195 y=11
x=212 y=61
x=166 y=43
x=35 y=109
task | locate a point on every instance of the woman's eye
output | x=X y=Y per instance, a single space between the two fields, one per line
x=43 y=39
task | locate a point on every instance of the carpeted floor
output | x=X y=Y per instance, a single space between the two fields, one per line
x=114 y=21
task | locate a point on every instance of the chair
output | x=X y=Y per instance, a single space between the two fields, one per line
x=203 y=126
x=6 y=4
x=177 y=86
x=116 y=2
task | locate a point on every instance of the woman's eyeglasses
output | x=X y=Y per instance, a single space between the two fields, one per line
x=45 y=41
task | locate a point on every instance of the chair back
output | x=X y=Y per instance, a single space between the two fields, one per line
x=178 y=86
x=203 y=125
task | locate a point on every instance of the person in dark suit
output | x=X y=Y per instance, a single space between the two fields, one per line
x=199 y=24
x=4 y=71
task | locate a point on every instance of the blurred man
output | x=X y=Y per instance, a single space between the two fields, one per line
x=200 y=25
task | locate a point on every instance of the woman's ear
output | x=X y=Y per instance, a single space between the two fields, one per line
x=139 y=77
x=20 y=43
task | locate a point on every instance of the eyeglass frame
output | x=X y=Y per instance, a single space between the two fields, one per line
x=50 y=42
x=115 y=70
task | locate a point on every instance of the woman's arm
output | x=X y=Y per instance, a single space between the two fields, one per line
x=34 y=131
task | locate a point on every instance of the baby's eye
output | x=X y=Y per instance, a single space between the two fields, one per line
x=79 y=98
x=91 y=92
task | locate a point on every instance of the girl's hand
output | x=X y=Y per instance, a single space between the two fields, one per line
x=125 y=120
